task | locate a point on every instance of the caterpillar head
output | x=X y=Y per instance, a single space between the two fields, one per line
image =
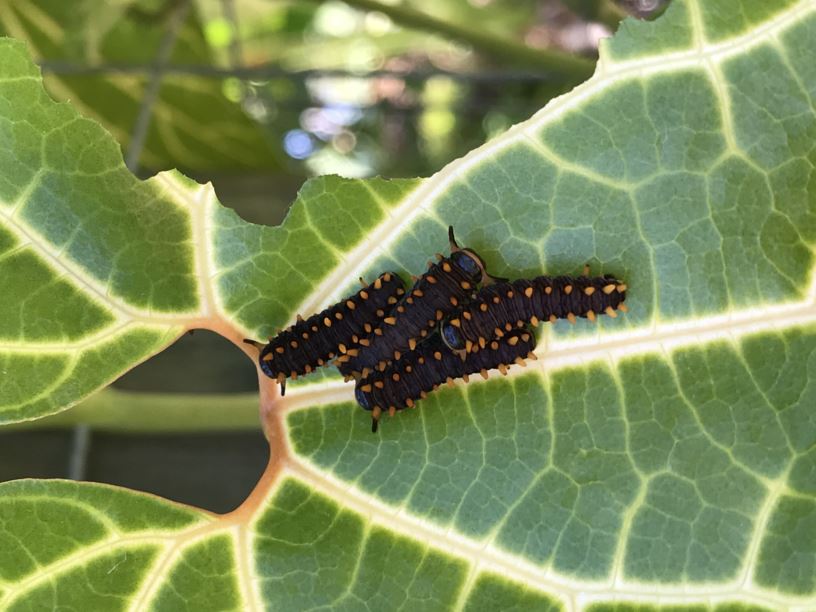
x=452 y=337
x=469 y=262
x=362 y=398
x=267 y=361
x=268 y=366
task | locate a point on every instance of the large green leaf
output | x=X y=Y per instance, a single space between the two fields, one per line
x=664 y=458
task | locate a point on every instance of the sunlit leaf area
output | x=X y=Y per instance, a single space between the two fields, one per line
x=180 y=179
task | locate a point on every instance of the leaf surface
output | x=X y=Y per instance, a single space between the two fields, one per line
x=663 y=458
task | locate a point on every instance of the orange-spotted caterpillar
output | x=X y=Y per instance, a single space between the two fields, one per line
x=504 y=306
x=446 y=285
x=431 y=364
x=337 y=330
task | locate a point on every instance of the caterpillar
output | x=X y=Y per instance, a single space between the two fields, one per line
x=422 y=370
x=312 y=342
x=446 y=285
x=501 y=307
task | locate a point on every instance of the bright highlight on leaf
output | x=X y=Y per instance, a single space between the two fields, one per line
x=665 y=458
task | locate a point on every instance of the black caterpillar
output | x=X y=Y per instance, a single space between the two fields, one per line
x=446 y=285
x=431 y=364
x=501 y=307
x=310 y=343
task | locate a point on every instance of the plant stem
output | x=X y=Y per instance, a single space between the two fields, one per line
x=611 y=13
x=495 y=47
x=125 y=411
x=151 y=94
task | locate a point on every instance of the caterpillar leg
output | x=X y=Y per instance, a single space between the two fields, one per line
x=375 y=418
x=282 y=380
x=255 y=343
x=586 y=270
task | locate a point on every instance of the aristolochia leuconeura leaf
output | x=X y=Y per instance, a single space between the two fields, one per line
x=663 y=458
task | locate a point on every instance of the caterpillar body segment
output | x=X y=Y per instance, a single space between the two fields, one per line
x=501 y=307
x=432 y=364
x=445 y=286
x=311 y=343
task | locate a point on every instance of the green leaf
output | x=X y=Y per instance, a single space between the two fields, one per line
x=85 y=33
x=660 y=460
x=100 y=265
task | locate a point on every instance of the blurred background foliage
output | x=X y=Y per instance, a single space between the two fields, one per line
x=256 y=96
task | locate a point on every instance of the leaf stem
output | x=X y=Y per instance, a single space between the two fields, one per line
x=611 y=14
x=126 y=411
x=78 y=461
x=495 y=47
x=142 y=125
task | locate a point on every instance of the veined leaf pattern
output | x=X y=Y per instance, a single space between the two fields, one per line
x=665 y=458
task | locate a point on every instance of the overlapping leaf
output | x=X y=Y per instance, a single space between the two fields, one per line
x=662 y=458
x=88 y=33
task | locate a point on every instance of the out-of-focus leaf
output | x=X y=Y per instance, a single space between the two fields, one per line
x=193 y=125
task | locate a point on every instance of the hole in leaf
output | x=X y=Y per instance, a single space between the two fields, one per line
x=258 y=198
x=34 y=454
x=214 y=470
x=201 y=362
